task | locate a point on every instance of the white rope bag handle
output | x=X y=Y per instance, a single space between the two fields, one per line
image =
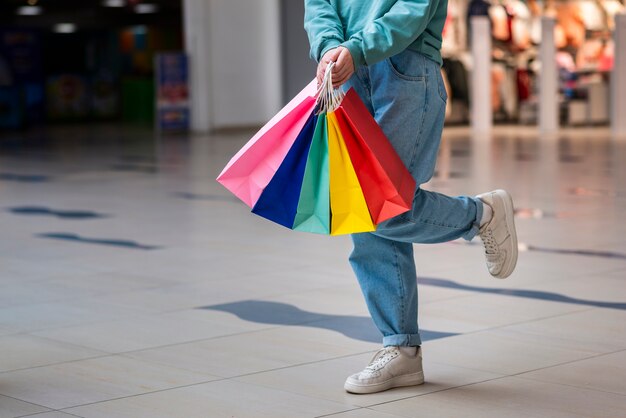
x=328 y=98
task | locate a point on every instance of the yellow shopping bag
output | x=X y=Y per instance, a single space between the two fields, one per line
x=347 y=203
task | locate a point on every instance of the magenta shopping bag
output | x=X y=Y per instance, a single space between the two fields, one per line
x=252 y=168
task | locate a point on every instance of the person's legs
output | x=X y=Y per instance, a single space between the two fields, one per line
x=386 y=273
x=406 y=96
x=409 y=100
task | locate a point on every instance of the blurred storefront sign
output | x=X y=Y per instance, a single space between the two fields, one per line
x=172 y=85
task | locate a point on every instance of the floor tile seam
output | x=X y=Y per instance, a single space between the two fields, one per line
x=41 y=280
x=349 y=313
x=106 y=355
x=517 y=298
x=30 y=403
x=224 y=279
x=54 y=364
x=592 y=389
x=61 y=299
x=64 y=409
x=438 y=391
x=85 y=324
x=468 y=294
x=557 y=275
x=281 y=294
x=200 y=340
x=39 y=303
x=126 y=396
x=48 y=412
x=527 y=282
x=493 y=373
x=254 y=331
x=599 y=355
x=566 y=279
x=292 y=392
x=621 y=395
x=582 y=274
x=264 y=299
x=367 y=406
x=611 y=271
x=499 y=327
x=14 y=333
x=593 y=356
x=338 y=413
x=308 y=363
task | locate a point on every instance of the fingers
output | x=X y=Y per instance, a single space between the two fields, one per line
x=332 y=55
x=343 y=69
x=329 y=56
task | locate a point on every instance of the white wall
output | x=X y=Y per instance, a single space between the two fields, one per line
x=195 y=16
x=245 y=61
x=298 y=68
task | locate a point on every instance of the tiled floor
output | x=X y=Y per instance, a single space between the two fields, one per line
x=133 y=285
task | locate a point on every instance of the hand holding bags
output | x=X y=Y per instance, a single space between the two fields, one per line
x=321 y=165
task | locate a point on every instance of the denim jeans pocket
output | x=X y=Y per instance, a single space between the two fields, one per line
x=408 y=65
x=442 y=87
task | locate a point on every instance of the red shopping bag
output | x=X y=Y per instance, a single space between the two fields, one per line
x=387 y=185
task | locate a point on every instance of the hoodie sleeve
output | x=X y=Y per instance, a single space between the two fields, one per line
x=391 y=33
x=323 y=27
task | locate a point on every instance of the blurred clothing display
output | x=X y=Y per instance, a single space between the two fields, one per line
x=583 y=37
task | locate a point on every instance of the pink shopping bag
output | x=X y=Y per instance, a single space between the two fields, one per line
x=252 y=168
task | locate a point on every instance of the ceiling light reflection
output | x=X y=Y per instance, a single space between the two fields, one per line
x=146 y=8
x=64 y=28
x=29 y=10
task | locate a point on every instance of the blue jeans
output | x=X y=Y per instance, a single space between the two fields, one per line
x=406 y=95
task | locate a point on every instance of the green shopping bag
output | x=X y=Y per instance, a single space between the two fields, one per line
x=313 y=214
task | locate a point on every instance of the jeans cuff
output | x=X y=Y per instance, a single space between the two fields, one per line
x=475 y=228
x=403 y=340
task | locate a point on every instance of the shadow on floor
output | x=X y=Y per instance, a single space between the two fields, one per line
x=110 y=242
x=63 y=214
x=522 y=293
x=24 y=178
x=356 y=327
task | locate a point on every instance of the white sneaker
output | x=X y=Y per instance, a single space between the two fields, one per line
x=390 y=368
x=498 y=235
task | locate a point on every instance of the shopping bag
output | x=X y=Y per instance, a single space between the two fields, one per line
x=321 y=165
x=349 y=212
x=279 y=200
x=387 y=185
x=252 y=168
x=313 y=212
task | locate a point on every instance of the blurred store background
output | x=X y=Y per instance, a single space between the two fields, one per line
x=84 y=61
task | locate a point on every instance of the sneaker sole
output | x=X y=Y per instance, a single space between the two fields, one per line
x=413 y=379
x=509 y=210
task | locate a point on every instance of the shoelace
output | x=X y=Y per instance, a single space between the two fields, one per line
x=381 y=358
x=491 y=246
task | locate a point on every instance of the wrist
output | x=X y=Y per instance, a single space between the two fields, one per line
x=352 y=45
x=328 y=45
